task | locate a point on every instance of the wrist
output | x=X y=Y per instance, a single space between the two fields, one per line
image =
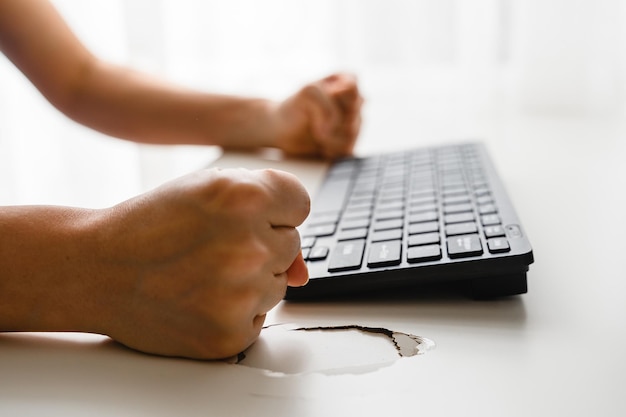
x=244 y=123
x=50 y=281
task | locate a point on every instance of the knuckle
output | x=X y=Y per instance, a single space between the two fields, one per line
x=240 y=192
x=309 y=90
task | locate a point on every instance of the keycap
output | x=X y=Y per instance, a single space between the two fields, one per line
x=458 y=218
x=424 y=253
x=493 y=231
x=354 y=224
x=457 y=208
x=490 y=219
x=423 y=239
x=498 y=245
x=352 y=234
x=450 y=200
x=388 y=224
x=346 y=255
x=384 y=253
x=426 y=216
x=317 y=219
x=388 y=214
x=392 y=234
x=464 y=246
x=422 y=207
x=461 y=229
x=361 y=213
x=485 y=199
x=318 y=253
x=487 y=209
x=322 y=230
x=307 y=242
x=423 y=228
x=390 y=205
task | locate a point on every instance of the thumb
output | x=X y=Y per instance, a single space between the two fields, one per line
x=297 y=273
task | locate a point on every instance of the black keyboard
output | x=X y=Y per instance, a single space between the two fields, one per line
x=423 y=216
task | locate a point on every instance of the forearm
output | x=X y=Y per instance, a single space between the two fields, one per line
x=129 y=105
x=117 y=100
x=47 y=277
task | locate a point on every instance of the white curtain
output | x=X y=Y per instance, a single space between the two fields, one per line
x=443 y=60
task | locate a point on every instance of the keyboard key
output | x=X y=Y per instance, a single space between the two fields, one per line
x=423 y=194
x=423 y=239
x=364 y=212
x=424 y=253
x=323 y=218
x=388 y=224
x=392 y=234
x=346 y=255
x=388 y=215
x=423 y=217
x=322 y=230
x=457 y=199
x=498 y=245
x=361 y=199
x=487 y=209
x=354 y=224
x=359 y=207
x=458 y=218
x=422 y=207
x=318 y=253
x=490 y=219
x=464 y=246
x=423 y=228
x=481 y=191
x=493 y=231
x=352 y=234
x=307 y=242
x=461 y=229
x=458 y=208
x=390 y=205
x=454 y=190
x=385 y=253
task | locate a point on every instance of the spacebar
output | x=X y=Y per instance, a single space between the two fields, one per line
x=346 y=255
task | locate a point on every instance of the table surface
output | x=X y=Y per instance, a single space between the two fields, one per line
x=556 y=351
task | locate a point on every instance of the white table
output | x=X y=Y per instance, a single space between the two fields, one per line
x=557 y=351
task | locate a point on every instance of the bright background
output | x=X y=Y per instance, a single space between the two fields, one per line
x=438 y=69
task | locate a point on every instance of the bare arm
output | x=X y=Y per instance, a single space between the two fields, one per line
x=189 y=269
x=322 y=119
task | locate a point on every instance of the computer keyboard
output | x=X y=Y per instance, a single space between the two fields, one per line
x=399 y=220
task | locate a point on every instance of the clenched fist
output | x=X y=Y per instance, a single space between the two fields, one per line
x=189 y=269
x=201 y=260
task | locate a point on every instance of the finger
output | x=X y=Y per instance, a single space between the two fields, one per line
x=345 y=137
x=289 y=203
x=324 y=112
x=284 y=244
x=343 y=90
x=297 y=274
x=274 y=287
